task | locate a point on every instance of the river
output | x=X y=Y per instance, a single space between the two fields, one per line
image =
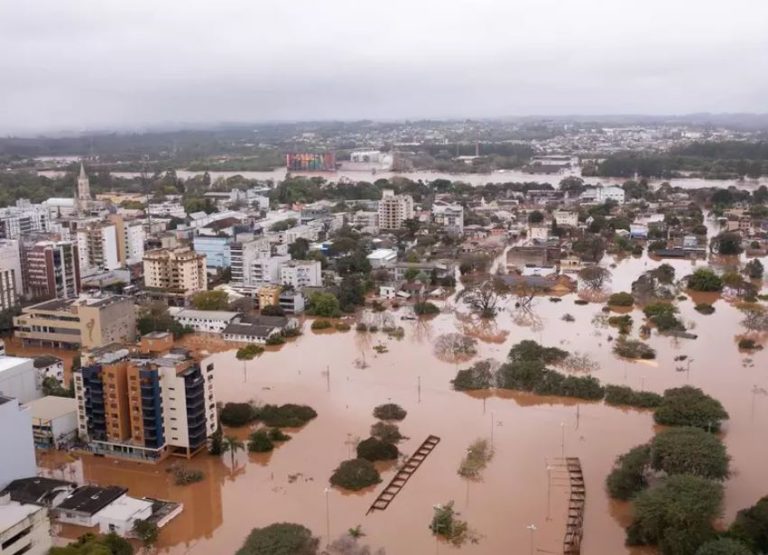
x=501 y=176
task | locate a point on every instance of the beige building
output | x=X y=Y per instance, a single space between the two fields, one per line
x=178 y=272
x=87 y=321
x=394 y=209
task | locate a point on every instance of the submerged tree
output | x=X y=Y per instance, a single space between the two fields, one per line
x=594 y=277
x=485 y=297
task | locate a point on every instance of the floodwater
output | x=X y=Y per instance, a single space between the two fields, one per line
x=499 y=176
x=528 y=432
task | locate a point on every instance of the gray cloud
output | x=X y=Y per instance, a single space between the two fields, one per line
x=80 y=64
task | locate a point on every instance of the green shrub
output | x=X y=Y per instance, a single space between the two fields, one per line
x=389 y=411
x=342 y=326
x=387 y=431
x=663 y=316
x=235 y=415
x=355 y=474
x=321 y=325
x=623 y=323
x=687 y=450
x=704 y=279
x=724 y=546
x=689 y=406
x=285 y=416
x=361 y=327
x=749 y=344
x=276 y=339
x=259 y=442
x=619 y=395
x=426 y=308
x=632 y=348
x=529 y=350
x=677 y=515
x=446 y=525
x=628 y=475
x=522 y=376
x=621 y=299
x=249 y=352
x=374 y=449
x=477 y=458
x=282 y=538
x=751 y=526
x=183 y=476
x=276 y=435
x=478 y=376
x=704 y=308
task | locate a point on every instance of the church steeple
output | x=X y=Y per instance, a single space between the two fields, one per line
x=83 y=185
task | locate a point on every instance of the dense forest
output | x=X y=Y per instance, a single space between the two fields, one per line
x=717 y=160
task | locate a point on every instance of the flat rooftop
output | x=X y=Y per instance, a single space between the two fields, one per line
x=9 y=362
x=13 y=513
x=51 y=407
x=91 y=499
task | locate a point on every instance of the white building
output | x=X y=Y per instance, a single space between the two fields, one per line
x=538 y=232
x=167 y=209
x=253 y=264
x=24 y=529
x=121 y=515
x=49 y=366
x=18 y=379
x=206 y=321
x=394 y=209
x=17 y=457
x=11 y=282
x=368 y=221
x=566 y=218
x=301 y=273
x=54 y=421
x=22 y=219
x=98 y=248
x=450 y=216
x=134 y=242
x=600 y=195
x=382 y=257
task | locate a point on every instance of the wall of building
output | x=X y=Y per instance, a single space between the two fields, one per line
x=36 y=541
x=19 y=379
x=17 y=457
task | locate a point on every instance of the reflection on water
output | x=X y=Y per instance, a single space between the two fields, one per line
x=288 y=484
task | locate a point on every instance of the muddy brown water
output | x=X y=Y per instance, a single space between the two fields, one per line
x=289 y=484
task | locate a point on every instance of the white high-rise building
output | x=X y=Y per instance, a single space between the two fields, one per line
x=98 y=248
x=394 y=209
x=253 y=264
x=22 y=219
x=11 y=281
x=450 y=216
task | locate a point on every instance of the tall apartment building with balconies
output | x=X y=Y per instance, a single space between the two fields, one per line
x=176 y=273
x=301 y=273
x=148 y=404
x=11 y=281
x=98 y=248
x=51 y=270
x=394 y=210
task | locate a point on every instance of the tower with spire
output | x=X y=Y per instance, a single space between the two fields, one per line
x=83 y=192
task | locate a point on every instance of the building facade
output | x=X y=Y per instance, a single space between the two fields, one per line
x=180 y=271
x=11 y=280
x=449 y=216
x=146 y=405
x=19 y=379
x=216 y=250
x=17 y=458
x=52 y=270
x=89 y=321
x=22 y=219
x=394 y=210
x=301 y=273
x=98 y=248
x=25 y=529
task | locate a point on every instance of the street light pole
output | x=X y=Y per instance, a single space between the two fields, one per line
x=327 y=517
x=562 y=439
x=549 y=492
x=492 y=426
x=531 y=528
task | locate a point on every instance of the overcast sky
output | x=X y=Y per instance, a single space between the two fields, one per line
x=76 y=64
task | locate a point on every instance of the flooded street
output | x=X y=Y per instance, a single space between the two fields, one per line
x=288 y=484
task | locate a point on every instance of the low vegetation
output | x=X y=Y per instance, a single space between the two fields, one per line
x=628 y=476
x=355 y=474
x=288 y=415
x=705 y=279
x=426 y=308
x=282 y=538
x=619 y=395
x=183 y=476
x=621 y=299
x=478 y=376
x=389 y=411
x=633 y=348
x=689 y=406
x=688 y=450
x=386 y=431
x=446 y=524
x=321 y=325
x=704 y=308
x=479 y=454
x=249 y=352
x=374 y=449
x=259 y=442
x=623 y=323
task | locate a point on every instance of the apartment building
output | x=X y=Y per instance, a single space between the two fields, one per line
x=22 y=219
x=394 y=210
x=24 y=529
x=11 y=281
x=130 y=239
x=51 y=270
x=216 y=250
x=600 y=195
x=88 y=321
x=176 y=273
x=253 y=264
x=98 y=248
x=148 y=404
x=301 y=273
x=449 y=216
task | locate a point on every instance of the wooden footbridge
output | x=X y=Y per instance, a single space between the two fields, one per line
x=397 y=483
x=574 y=527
